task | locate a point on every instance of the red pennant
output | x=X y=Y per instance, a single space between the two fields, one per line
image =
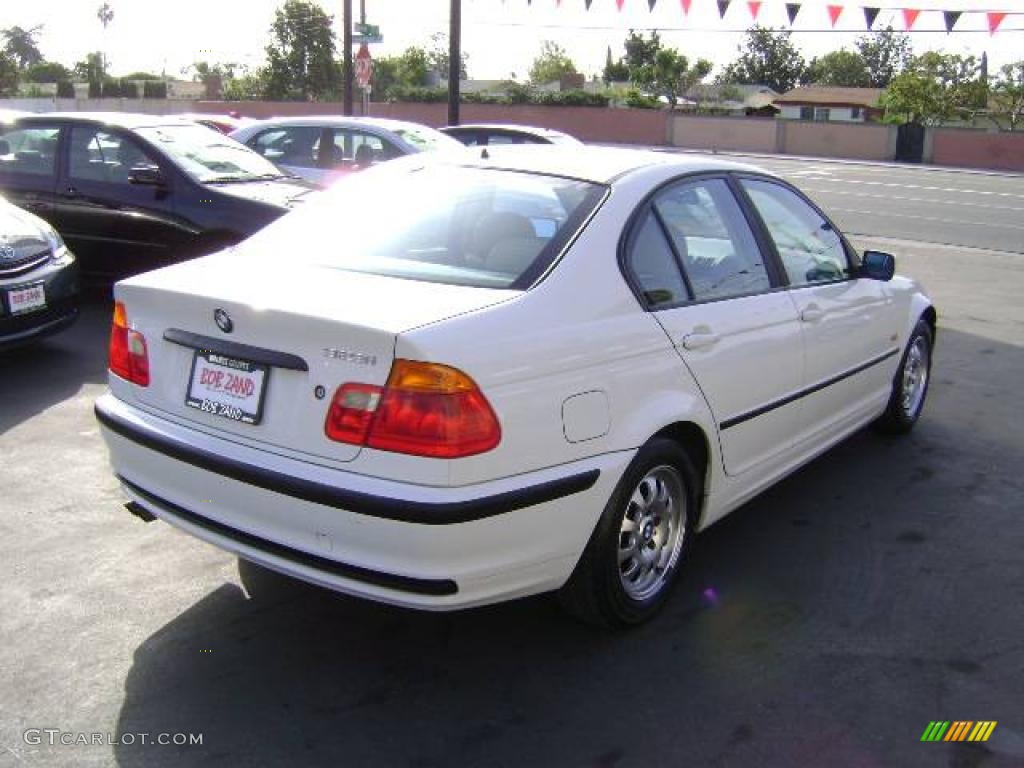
x=995 y=18
x=909 y=17
x=834 y=12
x=755 y=8
x=620 y=3
x=686 y=6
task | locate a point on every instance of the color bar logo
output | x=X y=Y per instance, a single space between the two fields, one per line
x=960 y=730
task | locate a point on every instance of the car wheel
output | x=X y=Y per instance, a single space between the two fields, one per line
x=634 y=554
x=910 y=386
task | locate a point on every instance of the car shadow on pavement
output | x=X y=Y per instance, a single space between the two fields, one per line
x=811 y=627
x=49 y=371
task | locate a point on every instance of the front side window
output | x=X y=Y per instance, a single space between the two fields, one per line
x=490 y=228
x=714 y=242
x=809 y=246
x=98 y=155
x=29 y=150
x=208 y=157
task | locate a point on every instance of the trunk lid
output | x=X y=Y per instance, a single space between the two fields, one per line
x=309 y=326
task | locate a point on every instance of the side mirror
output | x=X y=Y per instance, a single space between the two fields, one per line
x=878 y=265
x=146 y=175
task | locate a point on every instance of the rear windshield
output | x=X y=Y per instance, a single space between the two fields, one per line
x=460 y=226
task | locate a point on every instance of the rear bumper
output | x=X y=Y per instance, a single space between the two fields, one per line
x=418 y=546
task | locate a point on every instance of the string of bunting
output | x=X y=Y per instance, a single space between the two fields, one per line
x=835 y=11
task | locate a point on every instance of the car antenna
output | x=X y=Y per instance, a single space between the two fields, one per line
x=484 y=155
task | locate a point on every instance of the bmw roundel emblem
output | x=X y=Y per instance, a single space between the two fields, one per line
x=223 y=320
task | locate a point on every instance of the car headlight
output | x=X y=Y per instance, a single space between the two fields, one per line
x=58 y=250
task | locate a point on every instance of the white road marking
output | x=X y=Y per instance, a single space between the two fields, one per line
x=943 y=219
x=923 y=188
x=930 y=201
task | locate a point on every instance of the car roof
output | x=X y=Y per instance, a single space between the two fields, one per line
x=379 y=122
x=511 y=127
x=601 y=165
x=126 y=120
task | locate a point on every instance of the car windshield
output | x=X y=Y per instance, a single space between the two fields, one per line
x=207 y=156
x=489 y=228
x=426 y=139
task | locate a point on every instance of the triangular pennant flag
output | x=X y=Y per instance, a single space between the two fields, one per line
x=755 y=8
x=870 y=14
x=723 y=6
x=620 y=3
x=995 y=18
x=651 y=4
x=950 y=18
x=587 y=3
x=834 y=12
x=792 y=9
x=910 y=16
x=686 y=6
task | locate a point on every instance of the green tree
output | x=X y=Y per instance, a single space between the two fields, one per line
x=767 y=57
x=614 y=72
x=552 y=63
x=670 y=75
x=640 y=52
x=8 y=75
x=90 y=68
x=886 y=53
x=245 y=85
x=839 y=68
x=438 y=58
x=106 y=15
x=47 y=72
x=413 y=68
x=20 y=46
x=915 y=98
x=300 y=57
x=1008 y=95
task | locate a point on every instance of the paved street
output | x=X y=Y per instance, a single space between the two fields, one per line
x=825 y=623
x=913 y=203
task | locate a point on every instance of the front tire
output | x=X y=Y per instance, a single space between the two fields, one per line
x=632 y=560
x=910 y=386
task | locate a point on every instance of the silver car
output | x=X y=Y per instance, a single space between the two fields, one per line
x=322 y=148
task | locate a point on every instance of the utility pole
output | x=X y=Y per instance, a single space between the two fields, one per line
x=346 y=45
x=454 y=60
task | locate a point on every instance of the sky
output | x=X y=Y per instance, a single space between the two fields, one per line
x=501 y=36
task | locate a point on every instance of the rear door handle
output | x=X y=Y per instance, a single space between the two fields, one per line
x=700 y=340
x=812 y=313
x=69 y=192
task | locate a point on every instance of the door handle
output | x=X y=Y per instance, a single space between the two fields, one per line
x=812 y=313
x=700 y=340
x=69 y=192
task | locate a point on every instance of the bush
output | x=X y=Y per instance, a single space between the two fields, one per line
x=639 y=100
x=574 y=98
x=111 y=89
x=154 y=89
x=417 y=94
x=129 y=90
x=65 y=90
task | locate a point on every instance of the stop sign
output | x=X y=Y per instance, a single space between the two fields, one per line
x=363 y=66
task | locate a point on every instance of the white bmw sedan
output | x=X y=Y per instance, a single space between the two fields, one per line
x=517 y=371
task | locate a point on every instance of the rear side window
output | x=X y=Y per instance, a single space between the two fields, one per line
x=29 y=150
x=654 y=267
x=461 y=226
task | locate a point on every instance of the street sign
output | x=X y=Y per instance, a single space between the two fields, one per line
x=363 y=66
x=367 y=33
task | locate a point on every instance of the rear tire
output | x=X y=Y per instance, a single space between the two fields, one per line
x=633 y=557
x=910 y=386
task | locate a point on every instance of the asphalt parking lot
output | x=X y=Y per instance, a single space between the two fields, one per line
x=825 y=623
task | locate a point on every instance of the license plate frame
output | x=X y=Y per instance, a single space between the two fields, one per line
x=233 y=400
x=22 y=290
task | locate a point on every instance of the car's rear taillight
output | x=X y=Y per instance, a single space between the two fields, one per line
x=425 y=409
x=128 y=355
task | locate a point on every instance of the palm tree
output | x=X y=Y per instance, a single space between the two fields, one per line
x=106 y=15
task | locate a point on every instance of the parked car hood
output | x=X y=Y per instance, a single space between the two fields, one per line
x=283 y=193
x=21 y=229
